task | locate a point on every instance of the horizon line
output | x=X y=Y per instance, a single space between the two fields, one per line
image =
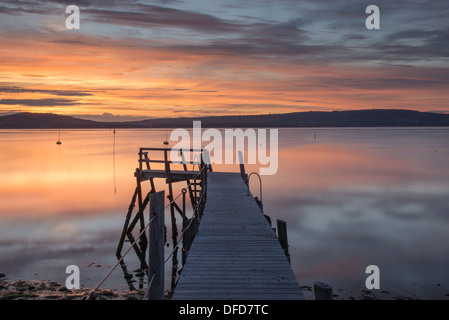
x=143 y=118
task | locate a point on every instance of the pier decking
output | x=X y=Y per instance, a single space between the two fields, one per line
x=235 y=254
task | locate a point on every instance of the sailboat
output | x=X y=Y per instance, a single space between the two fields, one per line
x=59 y=139
x=166 y=142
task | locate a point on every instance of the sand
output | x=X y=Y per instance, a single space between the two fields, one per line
x=52 y=290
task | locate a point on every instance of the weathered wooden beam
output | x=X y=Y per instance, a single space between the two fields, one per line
x=143 y=242
x=283 y=239
x=137 y=216
x=175 y=175
x=140 y=254
x=153 y=188
x=118 y=253
x=156 y=251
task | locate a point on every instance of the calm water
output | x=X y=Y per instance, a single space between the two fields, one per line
x=351 y=198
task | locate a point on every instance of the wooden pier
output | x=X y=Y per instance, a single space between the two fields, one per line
x=229 y=249
x=235 y=254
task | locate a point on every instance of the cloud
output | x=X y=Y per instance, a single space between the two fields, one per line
x=39 y=102
x=68 y=93
x=7 y=11
x=153 y=15
x=229 y=55
x=329 y=32
x=412 y=45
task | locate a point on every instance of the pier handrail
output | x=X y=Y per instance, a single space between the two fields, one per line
x=143 y=151
x=260 y=184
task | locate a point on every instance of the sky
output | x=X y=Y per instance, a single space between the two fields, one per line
x=133 y=59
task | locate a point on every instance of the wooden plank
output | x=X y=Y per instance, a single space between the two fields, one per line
x=235 y=254
x=157 y=239
x=175 y=175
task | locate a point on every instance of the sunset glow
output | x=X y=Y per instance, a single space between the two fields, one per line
x=188 y=58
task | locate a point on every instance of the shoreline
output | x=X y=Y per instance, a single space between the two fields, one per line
x=53 y=290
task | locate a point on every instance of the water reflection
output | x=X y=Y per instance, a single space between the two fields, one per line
x=351 y=198
x=361 y=197
x=113 y=164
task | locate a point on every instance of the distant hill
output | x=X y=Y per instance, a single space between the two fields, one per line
x=357 y=118
x=26 y=120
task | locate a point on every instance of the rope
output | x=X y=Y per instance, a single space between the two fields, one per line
x=145 y=297
x=120 y=260
x=177 y=244
x=188 y=226
x=141 y=233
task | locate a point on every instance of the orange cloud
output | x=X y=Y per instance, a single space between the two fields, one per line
x=132 y=77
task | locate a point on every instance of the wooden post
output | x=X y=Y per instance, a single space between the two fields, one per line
x=194 y=191
x=143 y=242
x=282 y=235
x=174 y=228
x=140 y=160
x=184 y=191
x=242 y=168
x=147 y=161
x=323 y=291
x=206 y=158
x=156 y=252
